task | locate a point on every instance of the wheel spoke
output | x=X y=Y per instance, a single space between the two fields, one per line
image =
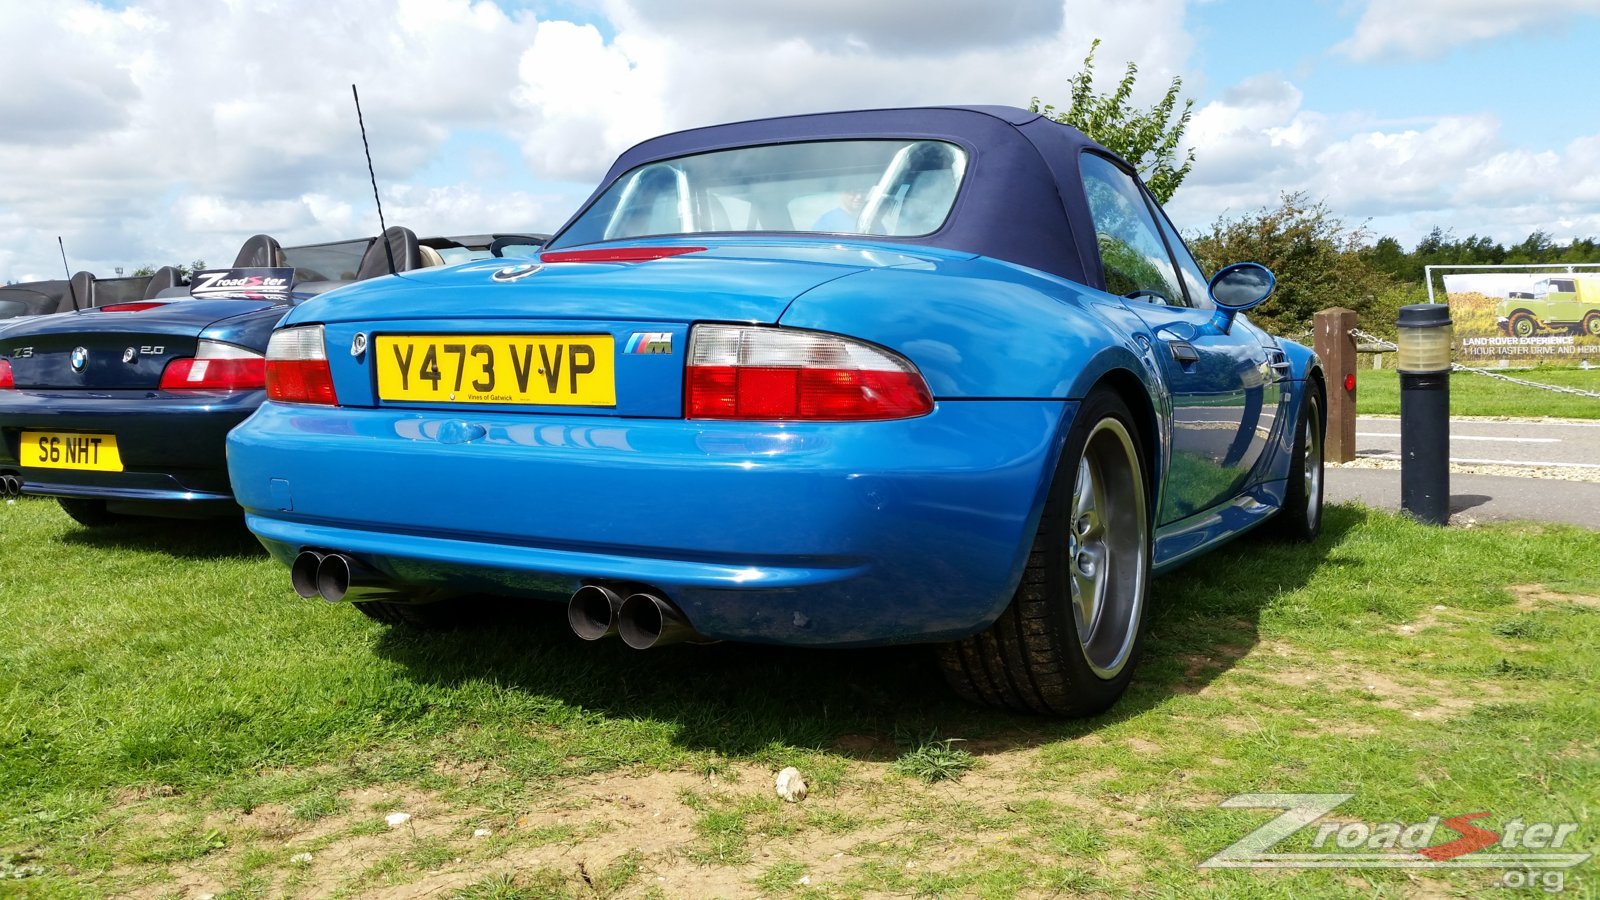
x=1083 y=495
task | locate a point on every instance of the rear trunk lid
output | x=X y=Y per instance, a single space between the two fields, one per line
x=97 y=349
x=602 y=338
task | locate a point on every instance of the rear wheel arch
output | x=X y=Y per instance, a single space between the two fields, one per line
x=1133 y=393
x=1069 y=638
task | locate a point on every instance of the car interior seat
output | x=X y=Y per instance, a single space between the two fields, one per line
x=402 y=243
x=165 y=278
x=79 y=293
x=260 y=250
x=926 y=202
x=430 y=256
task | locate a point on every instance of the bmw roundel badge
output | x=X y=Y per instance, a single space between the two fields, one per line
x=512 y=273
x=80 y=358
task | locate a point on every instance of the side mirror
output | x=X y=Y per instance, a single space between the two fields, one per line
x=1237 y=288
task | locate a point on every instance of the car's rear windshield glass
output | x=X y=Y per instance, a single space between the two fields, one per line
x=326 y=262
x=12 y=308
x=899 y=188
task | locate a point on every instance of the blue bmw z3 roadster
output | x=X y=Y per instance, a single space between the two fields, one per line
x=942 y=375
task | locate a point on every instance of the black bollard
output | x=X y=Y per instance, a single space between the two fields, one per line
x=1424 y=364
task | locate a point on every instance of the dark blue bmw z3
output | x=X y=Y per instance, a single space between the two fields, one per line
x=120 y=405
x=939 y=375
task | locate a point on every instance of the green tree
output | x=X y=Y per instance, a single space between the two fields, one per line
x=1147 y=138
x=1315 y=256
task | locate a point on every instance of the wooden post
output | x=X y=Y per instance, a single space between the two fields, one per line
x=1337 y=347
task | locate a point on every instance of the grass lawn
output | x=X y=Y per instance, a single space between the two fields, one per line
x=1378 y=393
x=174 y=722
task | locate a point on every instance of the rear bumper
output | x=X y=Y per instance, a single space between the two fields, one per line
x=820 y=533
x=172 y=445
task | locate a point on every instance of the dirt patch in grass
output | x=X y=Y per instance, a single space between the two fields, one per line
x=1532 y=596
x=658 y=829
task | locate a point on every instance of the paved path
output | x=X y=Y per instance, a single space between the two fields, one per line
x=1482 y=498
x=1487 y=442
x=1573 y=446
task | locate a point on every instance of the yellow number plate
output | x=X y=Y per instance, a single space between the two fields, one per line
x=59 y=450
x=549 y=369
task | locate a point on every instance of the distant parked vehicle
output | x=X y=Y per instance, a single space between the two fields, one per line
x=121 y=407
x=1565 y=302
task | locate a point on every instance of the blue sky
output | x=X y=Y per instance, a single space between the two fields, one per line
x=156 y=146
x=1539 y=82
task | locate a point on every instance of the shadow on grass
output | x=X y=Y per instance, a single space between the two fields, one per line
x=738 y=699
x=198 y=539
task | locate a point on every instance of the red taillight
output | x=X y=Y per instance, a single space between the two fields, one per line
x=297 y=367
x=615 y=254
x=744 y=372
x=1350 y=382
x=6 y=381
x=130 y=307
x=216 y=366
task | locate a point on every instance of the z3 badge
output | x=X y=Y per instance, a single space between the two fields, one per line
x=513 y=273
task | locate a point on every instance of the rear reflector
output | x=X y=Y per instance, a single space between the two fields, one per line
x=216 y=366
x=615 y=254
x=297 y=367
x=751 y=372
x=6 y=381
x=130 y=307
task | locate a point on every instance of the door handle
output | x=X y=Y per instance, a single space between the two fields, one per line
x=1184 y=352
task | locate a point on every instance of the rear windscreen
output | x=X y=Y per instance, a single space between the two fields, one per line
x=897 y=188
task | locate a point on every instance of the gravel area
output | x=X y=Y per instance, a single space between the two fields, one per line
x=1559 y=473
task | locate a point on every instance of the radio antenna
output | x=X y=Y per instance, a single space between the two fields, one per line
x=71 y=288
x=384 y=237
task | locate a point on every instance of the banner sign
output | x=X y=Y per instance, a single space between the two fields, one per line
x=251 y=283
x=1525 y=317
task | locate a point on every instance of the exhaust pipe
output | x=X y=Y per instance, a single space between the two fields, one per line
x=10 y=486
x=646 y=620
x=592 y=612
x=341 y=578
x=303 y=573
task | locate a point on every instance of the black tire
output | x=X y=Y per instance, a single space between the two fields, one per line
x=440 y=616
x=1591 y=325
x=89 y=513
x=1300 y=517
x=1033 y=658
x=1522 y=325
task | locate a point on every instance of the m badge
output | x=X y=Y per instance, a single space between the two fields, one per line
x=650 y=342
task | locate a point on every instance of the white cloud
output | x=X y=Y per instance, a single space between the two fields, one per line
x=898 y=27
x=1258 y=142
x=1426 y=28
x=166 y=130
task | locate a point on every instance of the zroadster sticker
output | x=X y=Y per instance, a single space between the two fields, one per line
x=259 y=283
